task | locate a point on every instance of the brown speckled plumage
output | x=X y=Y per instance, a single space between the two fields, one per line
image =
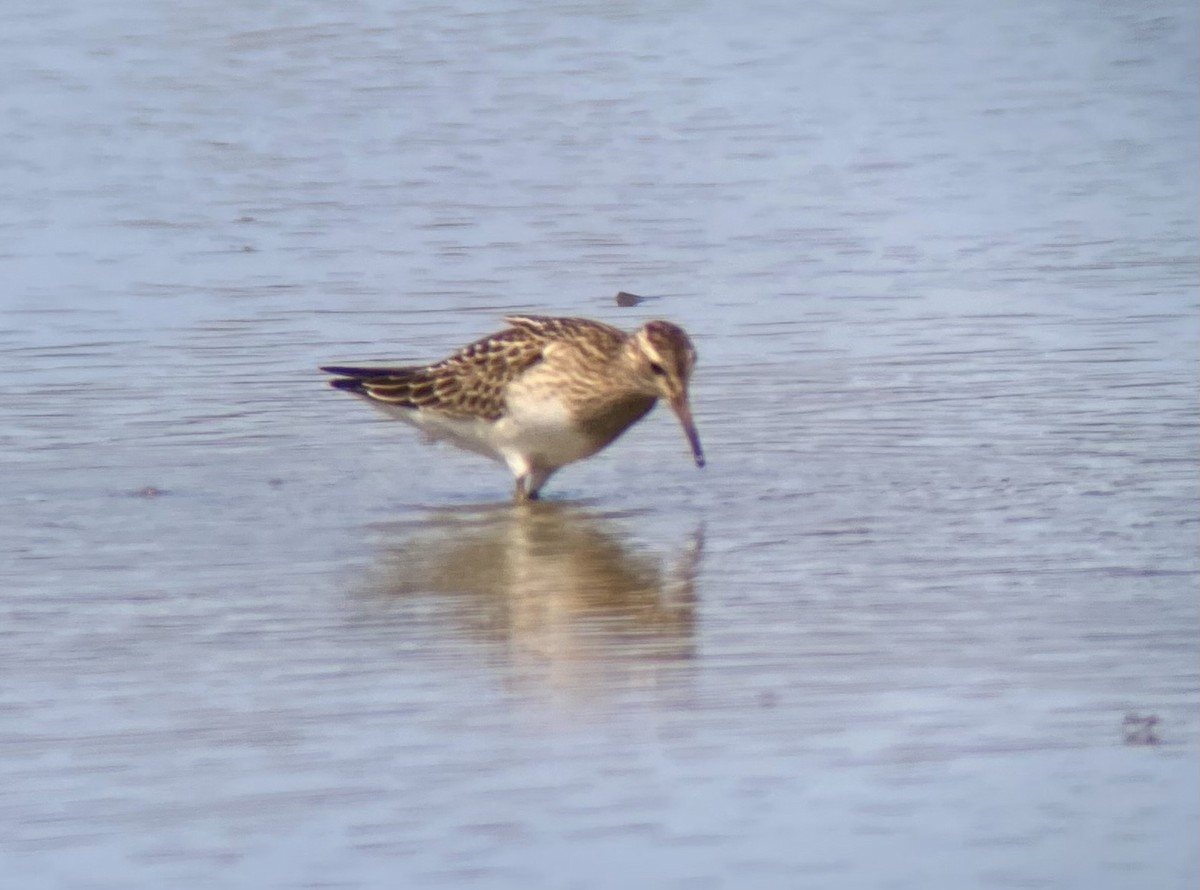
x=473 y=380
x=546 y=390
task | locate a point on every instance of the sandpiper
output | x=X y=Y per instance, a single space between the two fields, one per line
x=540 y=394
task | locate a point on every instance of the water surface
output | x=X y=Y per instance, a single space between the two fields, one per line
x=940 y=264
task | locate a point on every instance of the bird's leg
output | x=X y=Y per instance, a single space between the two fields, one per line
x=530 y=480
x=521 y=495
x=536 y=479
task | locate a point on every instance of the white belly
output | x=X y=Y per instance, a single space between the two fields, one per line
x=541 y=431
x=534 y=432
x=470 y=433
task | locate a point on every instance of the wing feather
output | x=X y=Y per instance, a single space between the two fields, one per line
x=472 y=381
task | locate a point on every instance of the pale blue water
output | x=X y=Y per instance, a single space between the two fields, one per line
x=940 y=264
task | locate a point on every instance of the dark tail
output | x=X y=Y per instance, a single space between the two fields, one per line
x=363 y=373
x=358 y=379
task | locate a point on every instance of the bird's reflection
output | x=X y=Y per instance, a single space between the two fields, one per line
x=557 y=586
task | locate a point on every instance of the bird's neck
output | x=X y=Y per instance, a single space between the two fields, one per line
x=606 y=417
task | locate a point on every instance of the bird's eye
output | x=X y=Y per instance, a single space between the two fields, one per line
x=657 y=368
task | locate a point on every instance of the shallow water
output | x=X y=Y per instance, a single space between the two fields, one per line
x=940 y=265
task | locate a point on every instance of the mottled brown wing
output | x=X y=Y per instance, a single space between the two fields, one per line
x=592 y=338
x=472 y=382
x=469 y=383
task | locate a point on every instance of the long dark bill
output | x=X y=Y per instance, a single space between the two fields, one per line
x=684 y=413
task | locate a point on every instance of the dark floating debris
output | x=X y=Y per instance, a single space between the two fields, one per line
x=624 y=298
x=1140 y=730
x=149 y=491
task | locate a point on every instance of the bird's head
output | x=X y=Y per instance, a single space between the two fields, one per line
x=663 y=358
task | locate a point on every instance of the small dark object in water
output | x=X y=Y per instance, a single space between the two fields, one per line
x=149 y=491
x=1140 y=730
x=624 y=298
